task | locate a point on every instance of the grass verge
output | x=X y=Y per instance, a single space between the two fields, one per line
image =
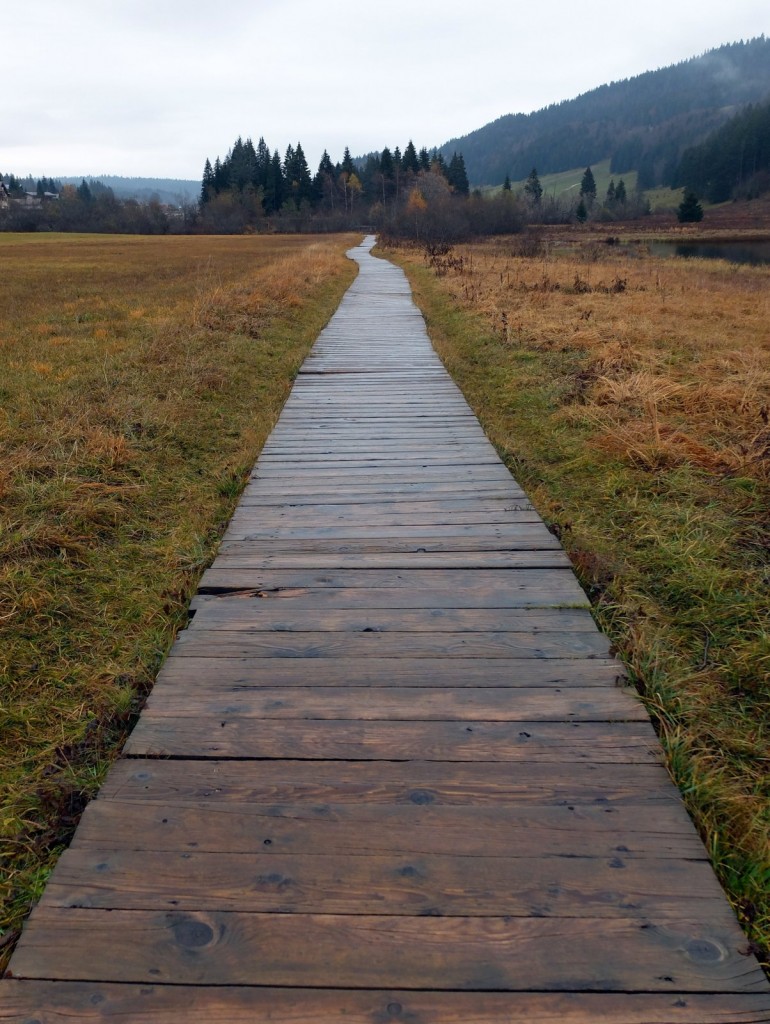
x=139 y=378
x=631 y=396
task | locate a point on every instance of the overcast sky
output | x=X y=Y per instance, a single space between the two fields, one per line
x=153 y=87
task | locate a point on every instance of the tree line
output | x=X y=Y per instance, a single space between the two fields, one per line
x=47 y=205
x=253 y=183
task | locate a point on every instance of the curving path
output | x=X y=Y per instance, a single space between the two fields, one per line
x=390 y=772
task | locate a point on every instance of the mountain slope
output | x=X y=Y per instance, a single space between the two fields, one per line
x=642 y=123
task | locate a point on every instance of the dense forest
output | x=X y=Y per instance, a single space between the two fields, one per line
x=643 y=123
x=734 y=161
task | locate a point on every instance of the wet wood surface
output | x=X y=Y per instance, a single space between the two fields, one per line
x=391 y=771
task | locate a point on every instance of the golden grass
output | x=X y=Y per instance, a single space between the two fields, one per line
x=630 y=396
x=139 y=378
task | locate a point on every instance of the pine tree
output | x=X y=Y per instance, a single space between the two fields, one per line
x=457 y=175
x=690 y=210
x=262 y=168
x=323 y=182
x=297 y=174
x=409 y=161
x=274 y=191
x=533 y=188
x=207 y=184
x=221 y=176
x=386 y=164
x=588 y=185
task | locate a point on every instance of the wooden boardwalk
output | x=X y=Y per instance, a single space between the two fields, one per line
x=390 y=773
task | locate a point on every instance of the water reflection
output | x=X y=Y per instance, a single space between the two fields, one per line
x=754 y=253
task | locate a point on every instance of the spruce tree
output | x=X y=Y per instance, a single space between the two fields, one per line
x=581 y=213
x=274 y=192
x=533 y=188
x=588 y=185
x=620 y=192
x=690 y=210
x=262 y=168
x=507 y=184
x=409 y=161
x=457 y=176
x=347 y=163
x=323 y=182
x=207 y=184
x=611 y=193
x=424 y=157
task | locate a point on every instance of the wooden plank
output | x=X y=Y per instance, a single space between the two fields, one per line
x=520 y=537
x=536 y=558
x=360 y=493
x=438 y=885
x=506 y=829
x=246 y=614
x=50 y=1002
x=417 y=782
x=455 y=588
x=246 y=674
x=214 y=643
x=553 y=592
x=480 y=954
x=474 y=533
x=398 y=703
x=366 y=516
x=350 y=740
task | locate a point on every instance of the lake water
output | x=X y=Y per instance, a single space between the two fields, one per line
x=754 y=253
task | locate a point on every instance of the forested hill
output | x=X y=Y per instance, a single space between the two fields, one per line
x=167 y=190
x=643 y=123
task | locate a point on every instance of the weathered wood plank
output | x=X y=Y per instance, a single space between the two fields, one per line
x=93 y=1002
x=536 y=558
x=398 y=703
x=417 y=782
x=437 y=884
x=492 y=585
x=510 y=830
x=486 y=954
x=348 y=740
x=252 y=615
x=245 y=674
x=215 y=643
x=526 y=588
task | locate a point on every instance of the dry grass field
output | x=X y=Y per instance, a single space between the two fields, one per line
x=139 y=378
x=631 y=397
